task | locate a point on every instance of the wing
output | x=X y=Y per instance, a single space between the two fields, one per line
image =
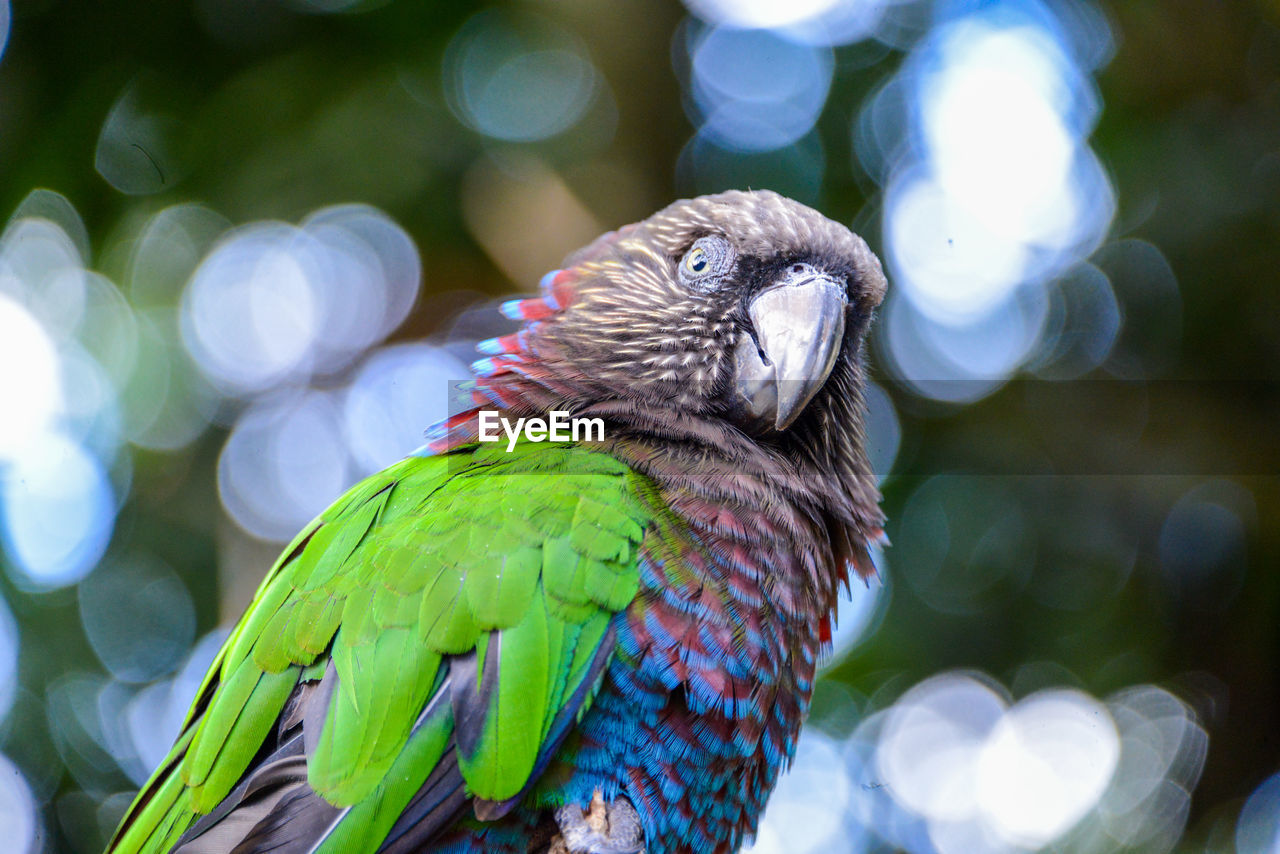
x=426 y=641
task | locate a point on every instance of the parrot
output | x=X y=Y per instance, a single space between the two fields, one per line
x=606 y=645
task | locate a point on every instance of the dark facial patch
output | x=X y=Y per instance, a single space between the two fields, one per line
x=754 y=273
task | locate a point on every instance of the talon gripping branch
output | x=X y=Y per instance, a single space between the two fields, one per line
x=478 y=650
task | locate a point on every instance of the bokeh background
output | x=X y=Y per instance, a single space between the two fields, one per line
x=249 y=241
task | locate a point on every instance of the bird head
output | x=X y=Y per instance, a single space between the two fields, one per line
x=742 y=306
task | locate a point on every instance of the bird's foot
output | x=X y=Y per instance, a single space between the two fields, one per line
x=612 y=828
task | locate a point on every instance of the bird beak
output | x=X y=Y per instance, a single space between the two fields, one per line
x=799 y=326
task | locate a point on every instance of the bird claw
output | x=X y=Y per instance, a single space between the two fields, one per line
x=612 y=828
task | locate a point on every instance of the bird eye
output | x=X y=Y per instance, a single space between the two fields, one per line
x=706 y=261
x=697 y=261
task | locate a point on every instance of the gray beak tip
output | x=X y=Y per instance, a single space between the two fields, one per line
x=785 y=419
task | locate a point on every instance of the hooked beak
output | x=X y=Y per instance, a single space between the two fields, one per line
x=799 y=324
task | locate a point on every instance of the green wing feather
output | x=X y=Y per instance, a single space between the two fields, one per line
x=519 y=558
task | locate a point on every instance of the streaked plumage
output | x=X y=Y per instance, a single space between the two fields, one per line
x=473 y=638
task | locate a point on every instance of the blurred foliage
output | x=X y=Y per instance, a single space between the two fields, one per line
x=1049 y=536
